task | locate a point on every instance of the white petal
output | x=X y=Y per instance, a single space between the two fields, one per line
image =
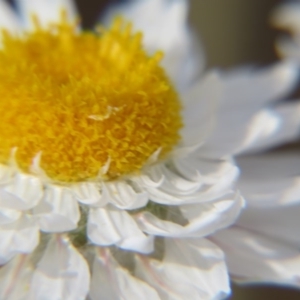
x=123 y=196
x=174 y=183
x=200 y=108
x=191 y=269
x=205 y=170
x=252 y=257
x=46 y=10
x=261 y=128
x=24 y=192
x=213 y=193
x=147 y=180
x=8 y=18
x=107 y=227
x=9 y=215
x=6 y=174
x=279 y=222
x=270 y=179
x=22 y=236
x=64 y=210
x=62 y=273
x=245 y=93
x=257 y=87
x=15 y=278
x=164 y=25
x=207 y=218
x=217 y=180
x=265 y=124
x=286 y=130
x=88 y=193
x=111 y=281
x=203 y=219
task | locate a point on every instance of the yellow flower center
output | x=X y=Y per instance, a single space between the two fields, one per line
x=84 y=101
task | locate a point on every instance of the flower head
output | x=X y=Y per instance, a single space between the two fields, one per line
x=107 y=189
x=104 y=121
x=116 y=159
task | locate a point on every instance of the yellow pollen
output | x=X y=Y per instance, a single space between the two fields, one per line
x=84 y=101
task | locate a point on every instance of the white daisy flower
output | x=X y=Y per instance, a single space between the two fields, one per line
x=119 y=215
x=107 y=190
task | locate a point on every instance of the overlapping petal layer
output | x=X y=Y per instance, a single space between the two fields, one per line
x=175 y=203
x=99 y=217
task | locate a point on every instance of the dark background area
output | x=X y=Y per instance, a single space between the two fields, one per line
x=233 y=32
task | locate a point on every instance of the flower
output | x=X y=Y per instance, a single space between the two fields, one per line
x=90 y=219
x=263 y=244
x=110 y=199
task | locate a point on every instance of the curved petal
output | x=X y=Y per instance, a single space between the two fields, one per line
x=286 y=130
x=207 y=218
x=191 y=269
x=245 y=93
x=173 y=182
x=111 y=281
x=15 y=278
x=152 y=179
x=107 y=227
x=213 y=193
x=279 y=222
x=61 y=212
x=217 y=180
x=164 y=25
x=9 y=215
x=88 y=193
x=8 y=18
x=62 y=273
x=254 y=88
x=205 y=170
x=47 y=11
x=200 y=108
x=22 y=236
x=23 y=192
x=252 y=257
x=6 y=174
x=124 y=196
x=270 y=179
x=202 y=219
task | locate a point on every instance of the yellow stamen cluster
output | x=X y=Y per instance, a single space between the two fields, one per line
x=84 y=100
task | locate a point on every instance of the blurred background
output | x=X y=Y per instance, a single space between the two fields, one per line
x=233 y=32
